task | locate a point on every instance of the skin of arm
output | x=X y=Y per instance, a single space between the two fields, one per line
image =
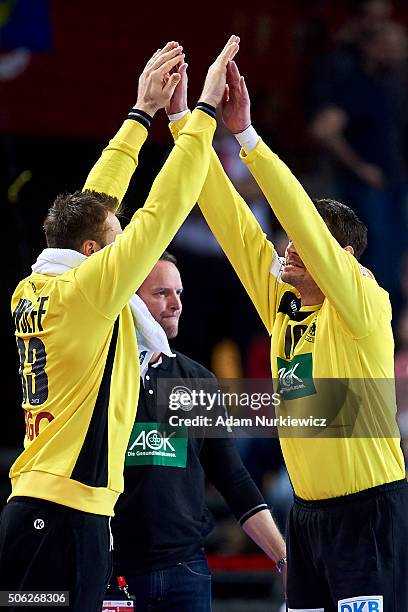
x=224 y=468
x=262 y=529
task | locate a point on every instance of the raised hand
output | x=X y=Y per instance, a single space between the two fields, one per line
x=157 y=82
x=178 y=101
x=215 y=82
x=236 y=108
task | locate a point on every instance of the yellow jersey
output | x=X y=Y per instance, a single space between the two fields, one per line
x=318 y=350
x=75 y=333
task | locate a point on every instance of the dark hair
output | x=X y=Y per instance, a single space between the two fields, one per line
x=344 y=224
x=168 y=257
x=75 y=217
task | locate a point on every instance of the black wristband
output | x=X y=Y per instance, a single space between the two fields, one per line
x=140 y=116
x=207 y=108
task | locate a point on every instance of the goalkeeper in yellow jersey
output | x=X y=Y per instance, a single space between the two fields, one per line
x=79 y=362
x=330 y=327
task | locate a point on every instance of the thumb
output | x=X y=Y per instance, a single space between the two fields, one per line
x=183 y=68
x=171 y=84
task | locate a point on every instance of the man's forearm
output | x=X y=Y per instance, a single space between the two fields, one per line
x=237 y=231
x=112 y=172
x=127 y=262
x=262 y=529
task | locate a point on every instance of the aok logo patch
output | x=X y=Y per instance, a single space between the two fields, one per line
x=366 y=603
x=150 y=444
x=295 y=377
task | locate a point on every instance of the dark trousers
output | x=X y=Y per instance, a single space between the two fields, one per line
x=185 y=587
x=50 y=547
x=350 y=553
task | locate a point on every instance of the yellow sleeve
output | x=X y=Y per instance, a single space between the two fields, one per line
x=240 y=236
x=112 y=172
x=110 y=277
x=357 y=299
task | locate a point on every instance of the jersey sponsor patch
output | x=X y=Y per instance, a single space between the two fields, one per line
x=365 y=603
x=154 y=444
x=295 y=377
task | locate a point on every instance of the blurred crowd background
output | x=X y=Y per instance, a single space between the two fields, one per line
x=328 y=82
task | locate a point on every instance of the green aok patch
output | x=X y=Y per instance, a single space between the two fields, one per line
x=157 y=444
x=295 y=377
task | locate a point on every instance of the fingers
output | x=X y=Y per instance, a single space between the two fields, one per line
x=167 y=66
x=233 y=75
x=163 y=58
x=229 y=51
x=244 y=88
x=171 y=84
x=176 y=67
x=225 y=97
x=153 y=57
x=236 y=81
x=232 y=39
x=232 y=51
x=167 y=47
x=170 y=45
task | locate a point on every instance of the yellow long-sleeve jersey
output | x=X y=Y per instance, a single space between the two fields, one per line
x=76 y=337
x=346 y=341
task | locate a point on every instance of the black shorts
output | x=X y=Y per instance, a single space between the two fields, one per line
x=50 y=547
x=350 y=554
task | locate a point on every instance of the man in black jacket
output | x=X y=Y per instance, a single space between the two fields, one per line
x=161 y=519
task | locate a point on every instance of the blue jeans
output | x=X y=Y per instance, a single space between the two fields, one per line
x=185 y=587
